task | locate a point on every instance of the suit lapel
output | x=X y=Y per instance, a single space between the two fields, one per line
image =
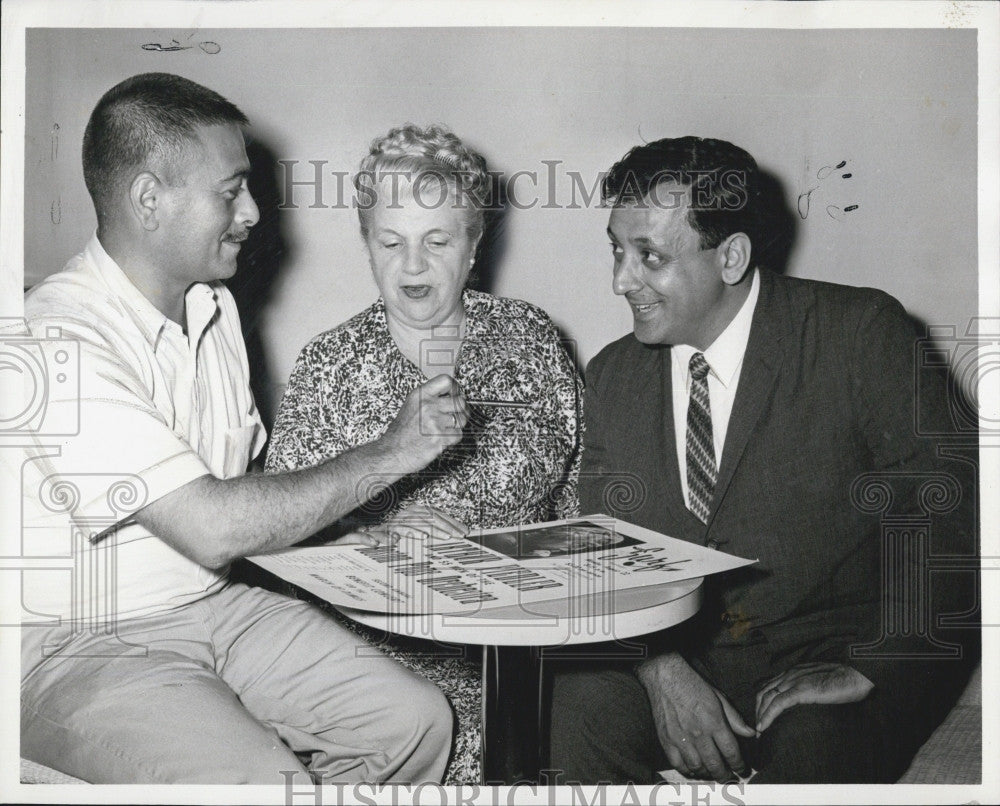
x=761 y=363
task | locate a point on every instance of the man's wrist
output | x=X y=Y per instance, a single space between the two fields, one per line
x=651 y=669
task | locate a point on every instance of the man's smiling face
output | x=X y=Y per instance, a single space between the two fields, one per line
x=209 y=209
x=674 y=287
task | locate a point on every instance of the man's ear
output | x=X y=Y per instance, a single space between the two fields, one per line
x=144 y=200
x=734 y=257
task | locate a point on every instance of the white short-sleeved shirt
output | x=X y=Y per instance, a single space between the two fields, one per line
x=157 y=409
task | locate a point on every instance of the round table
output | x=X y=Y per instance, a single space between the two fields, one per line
x=517 y=640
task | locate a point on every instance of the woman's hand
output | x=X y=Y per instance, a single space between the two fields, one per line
x=371 y=537
x=810 y=683
x=422 y=521
x=418 y=521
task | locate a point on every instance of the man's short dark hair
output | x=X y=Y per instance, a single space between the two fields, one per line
x=145 y=117
x=722 y=179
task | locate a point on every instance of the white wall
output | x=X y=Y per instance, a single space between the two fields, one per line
x=898 y=105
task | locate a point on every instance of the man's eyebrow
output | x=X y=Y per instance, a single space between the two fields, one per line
x=242 y=173
x=642 y=240
x=639 y=240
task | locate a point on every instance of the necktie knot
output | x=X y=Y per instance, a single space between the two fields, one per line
x=698 y=366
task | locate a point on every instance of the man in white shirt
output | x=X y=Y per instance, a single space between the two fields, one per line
x=768 y=416
x=145 y=664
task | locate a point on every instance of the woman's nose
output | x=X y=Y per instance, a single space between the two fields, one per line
x=416 y=260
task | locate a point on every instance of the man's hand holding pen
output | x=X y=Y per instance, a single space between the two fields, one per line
x=432 y=419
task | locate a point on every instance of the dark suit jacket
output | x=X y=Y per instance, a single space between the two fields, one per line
x=826 y=396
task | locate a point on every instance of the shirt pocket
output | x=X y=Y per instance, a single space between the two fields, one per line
x=239 y=444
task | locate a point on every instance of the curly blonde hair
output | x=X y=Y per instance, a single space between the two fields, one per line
x=433 y=153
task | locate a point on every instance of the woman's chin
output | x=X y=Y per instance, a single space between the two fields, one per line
x=415 y=317
x=425 y=313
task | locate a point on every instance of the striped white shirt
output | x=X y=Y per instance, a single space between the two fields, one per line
x=155 y=409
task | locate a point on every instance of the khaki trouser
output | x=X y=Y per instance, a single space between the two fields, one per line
x=236 y=688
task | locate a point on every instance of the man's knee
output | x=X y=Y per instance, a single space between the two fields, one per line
x=438 y=715
x=424 y=711
x=597 y=695
x=602 y=728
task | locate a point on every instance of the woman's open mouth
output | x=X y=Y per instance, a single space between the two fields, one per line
x=416 y=291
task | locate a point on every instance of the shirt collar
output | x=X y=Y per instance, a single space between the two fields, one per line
x=201 y=305
x=200 y=302
x=725 y=355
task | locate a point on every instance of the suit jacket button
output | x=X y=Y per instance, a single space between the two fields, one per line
x=713 y=543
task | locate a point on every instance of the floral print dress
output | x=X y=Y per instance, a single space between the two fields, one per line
x=513 y=466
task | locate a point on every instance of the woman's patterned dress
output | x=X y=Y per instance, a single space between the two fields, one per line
x=514 y=466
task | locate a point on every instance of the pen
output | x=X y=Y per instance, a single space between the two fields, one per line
x=96 y=537
x=505 y=404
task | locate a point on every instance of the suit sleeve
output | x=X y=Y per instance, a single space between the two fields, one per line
x=564 y=420
x=903 y=413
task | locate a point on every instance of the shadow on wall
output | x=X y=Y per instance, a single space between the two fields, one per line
x=260 y=262
x=493 y=244
x=777 y=225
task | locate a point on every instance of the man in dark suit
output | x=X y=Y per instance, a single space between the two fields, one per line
x=772 y=418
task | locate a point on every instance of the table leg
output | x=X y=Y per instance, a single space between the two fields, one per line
x=515 y=725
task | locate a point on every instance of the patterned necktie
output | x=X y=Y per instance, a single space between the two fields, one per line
x=701 y=471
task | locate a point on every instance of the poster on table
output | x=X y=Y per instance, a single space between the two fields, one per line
x=496 y=567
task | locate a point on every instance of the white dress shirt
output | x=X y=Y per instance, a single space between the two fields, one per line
x=725 y=359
